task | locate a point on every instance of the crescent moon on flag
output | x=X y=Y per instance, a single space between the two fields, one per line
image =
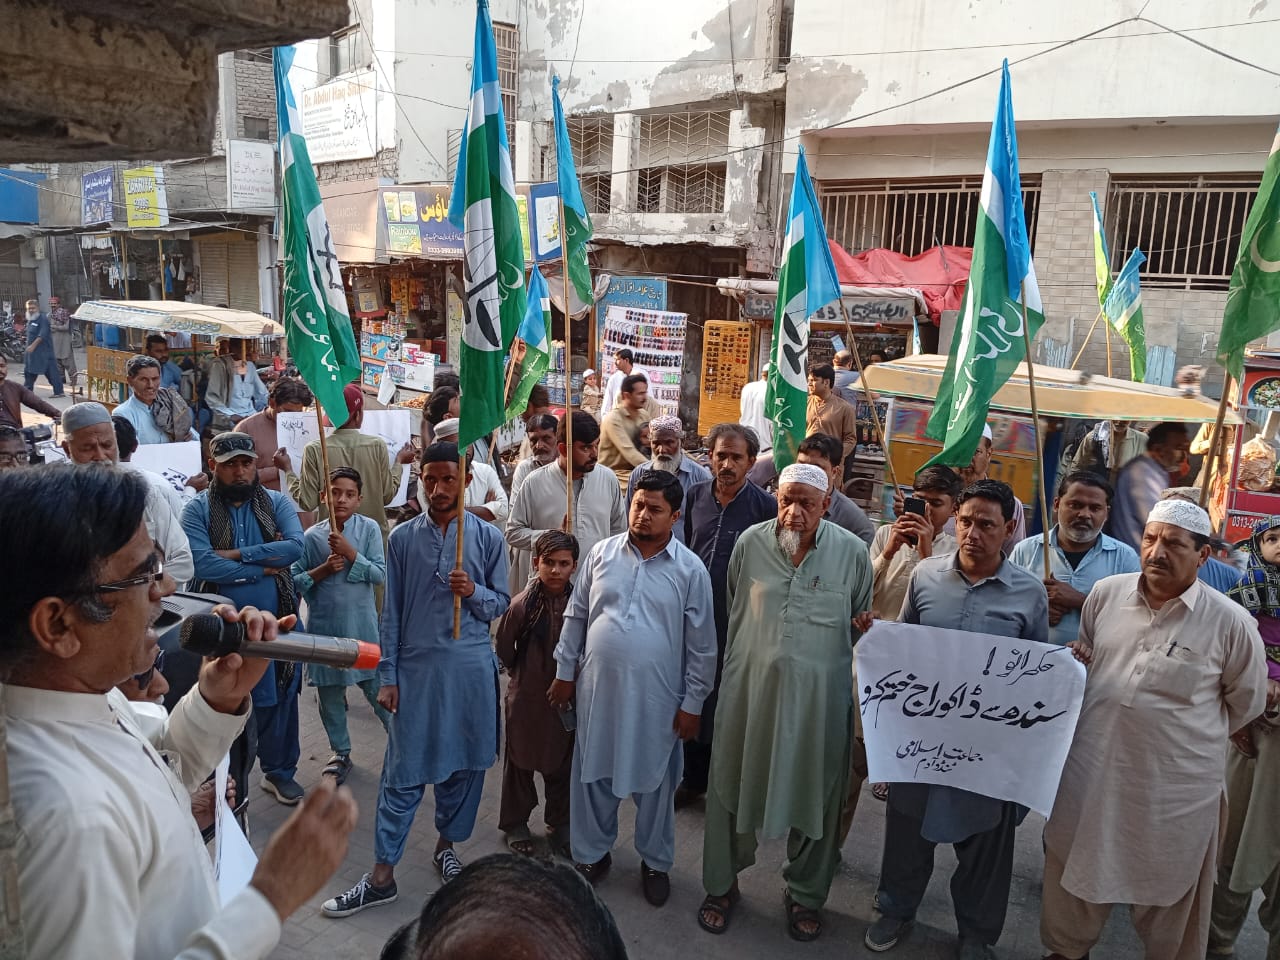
x=1267 y=266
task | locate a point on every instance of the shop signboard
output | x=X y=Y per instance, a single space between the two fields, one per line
x=145 y=202
x=544 y=220
x=338 y=119
x=891 y=310
x=417 y=222
x=95 y=192
x=251 y=175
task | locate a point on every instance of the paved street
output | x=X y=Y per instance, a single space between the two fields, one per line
x=655 y=934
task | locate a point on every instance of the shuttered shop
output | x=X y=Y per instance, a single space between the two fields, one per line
x=229 y=271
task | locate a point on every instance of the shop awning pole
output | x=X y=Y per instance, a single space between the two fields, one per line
x=1035 y=420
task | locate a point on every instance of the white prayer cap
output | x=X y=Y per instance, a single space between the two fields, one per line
x=1181 y=513
x=808 y=473
x=986 y=431
x=588 y=373
x=447 y=428
x=665 y=422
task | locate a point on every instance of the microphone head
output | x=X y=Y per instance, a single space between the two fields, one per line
x=206 y=636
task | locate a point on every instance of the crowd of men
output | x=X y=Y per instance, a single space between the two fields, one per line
x=685 y=639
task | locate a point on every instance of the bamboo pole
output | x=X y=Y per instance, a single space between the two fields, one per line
x=511 y=369
x=160 y=260
x=871 y=397
x=1215 y=440
x=1035 y=419
x=324 y=466
x=568 y=375
x=461 y=521
x=1087 y=337
x=1108 y=329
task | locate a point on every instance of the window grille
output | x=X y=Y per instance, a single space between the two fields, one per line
x=506 y=37
x=1188 y=227
x=592 y=141
x=910 y=216
x=682 y=162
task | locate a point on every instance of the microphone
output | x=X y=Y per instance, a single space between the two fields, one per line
x=210 y=636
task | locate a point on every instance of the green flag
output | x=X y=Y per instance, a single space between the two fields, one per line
x=806 y=283
x=988 y=342
x=1101 y=254
x=1123 y=309
x=483 y=207
x=1253 y=296
x=317 y=326
x=535 y=332
x=577 y=222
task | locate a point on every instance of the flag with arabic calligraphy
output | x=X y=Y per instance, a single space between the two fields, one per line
x=1253 y=295
x=577 y=222
x=483 y=207
x=988 y=342
x=317 y=325
x=806 y=283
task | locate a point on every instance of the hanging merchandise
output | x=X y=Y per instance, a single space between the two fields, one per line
x=656 y=338
x=726 y=368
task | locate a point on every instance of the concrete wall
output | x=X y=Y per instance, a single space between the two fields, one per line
x=255 y=93
x=1135 y=70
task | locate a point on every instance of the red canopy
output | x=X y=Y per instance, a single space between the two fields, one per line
x=940 y=273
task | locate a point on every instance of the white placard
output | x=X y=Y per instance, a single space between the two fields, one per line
x=233 y=858
x=251 y=175
x=393 y=427
x=173 y=461
x=296 y=430
x=994 y=715
x=338 y=119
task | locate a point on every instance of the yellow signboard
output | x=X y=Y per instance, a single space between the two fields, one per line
x=144 y=198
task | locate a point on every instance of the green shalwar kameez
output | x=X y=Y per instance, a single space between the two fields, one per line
x=781 y=762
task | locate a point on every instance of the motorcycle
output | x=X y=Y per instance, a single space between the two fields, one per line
x=13 y=345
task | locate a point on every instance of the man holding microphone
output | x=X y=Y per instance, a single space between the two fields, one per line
x=109 y=856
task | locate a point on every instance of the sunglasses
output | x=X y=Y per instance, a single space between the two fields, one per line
x=143 y=680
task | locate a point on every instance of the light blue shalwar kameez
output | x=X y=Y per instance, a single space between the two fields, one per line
x=640 y=637
x=342 y=605
x=446 y=730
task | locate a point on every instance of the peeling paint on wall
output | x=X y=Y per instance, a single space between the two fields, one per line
x=821 y=89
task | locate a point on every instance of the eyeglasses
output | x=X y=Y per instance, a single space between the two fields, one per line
x=143 y=680
x=117 y=586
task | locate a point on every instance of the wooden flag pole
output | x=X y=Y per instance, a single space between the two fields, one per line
x=324 y=466
x=1087 y=337
x=871 y=401
x=461 y=522
x=1035 y=419
x=568 y=376
x=1215 y=440
x=511 y=369
x=1108 y=329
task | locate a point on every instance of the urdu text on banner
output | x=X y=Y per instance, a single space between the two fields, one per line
x=992 y=715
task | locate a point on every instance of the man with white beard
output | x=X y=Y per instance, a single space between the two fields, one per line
x=665 y=434
x=540 y=434
x=1081 y=554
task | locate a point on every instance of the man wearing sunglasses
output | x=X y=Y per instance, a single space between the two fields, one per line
x=109 y=857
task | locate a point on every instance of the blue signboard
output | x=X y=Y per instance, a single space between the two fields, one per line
x=95 y=192
x=416 y=222
x=19 y=196
x=644 y=293
x=544 y=220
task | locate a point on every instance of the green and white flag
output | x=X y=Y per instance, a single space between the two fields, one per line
x=483 y=207
x=317 y=326
x=535 y=332
x=1121 y=301
x=1101 y=253
x=988 y=342
x=577 y=222
x=806 y=283
x=1253 y=296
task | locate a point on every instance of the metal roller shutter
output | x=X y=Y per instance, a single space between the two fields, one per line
x=242 y=275
x=213 y=272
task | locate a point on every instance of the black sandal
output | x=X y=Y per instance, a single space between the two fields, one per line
x=520 y=841
x=338 y=767
x=798 y=914
x=719 y=907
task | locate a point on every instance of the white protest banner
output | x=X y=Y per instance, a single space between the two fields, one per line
x=173 y=461
x=393 y=427
x=233 y=858
x=296 y=430
x=993 y=715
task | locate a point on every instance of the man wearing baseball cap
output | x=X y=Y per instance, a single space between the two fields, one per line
x=244 y=538
x=1174 y=668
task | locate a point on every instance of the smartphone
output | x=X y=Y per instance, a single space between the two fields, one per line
x=913 y=505
x=569 y=718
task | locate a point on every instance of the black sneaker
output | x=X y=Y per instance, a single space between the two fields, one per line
x=360 y=897
x=448 y=864
x=285 y=789
x=885 y=933
x=338 y=767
